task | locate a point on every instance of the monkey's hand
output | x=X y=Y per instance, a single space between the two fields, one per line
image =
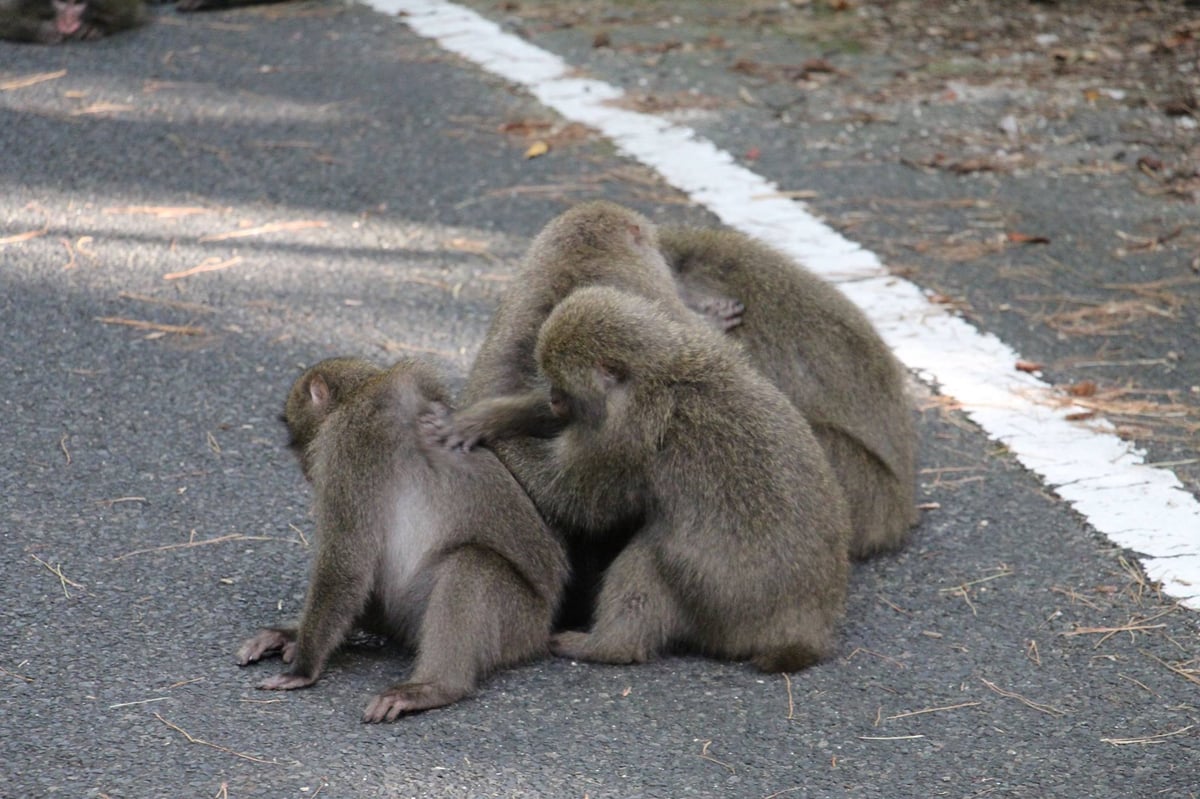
x=724 y=313
x=268 y=641
x=286 y=682
x=440 y=428
x=408 y=698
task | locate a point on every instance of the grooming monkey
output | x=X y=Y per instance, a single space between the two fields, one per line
x=439 y=549
x=594 y=243
x=741 y=543
x=55 y=21
x=821 y=351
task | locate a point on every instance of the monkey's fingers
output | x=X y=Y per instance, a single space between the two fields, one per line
x=724 y=312
x=265 y=642
x=286 y=682
x=408 y=698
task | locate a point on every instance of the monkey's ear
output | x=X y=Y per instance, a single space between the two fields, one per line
x=318 y=391
x=607 y=376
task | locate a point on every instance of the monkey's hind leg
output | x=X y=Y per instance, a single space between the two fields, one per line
x=636 y=614
x=481 y=614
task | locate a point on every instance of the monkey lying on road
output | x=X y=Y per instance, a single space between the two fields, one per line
x=742 y=548
x=441 y=549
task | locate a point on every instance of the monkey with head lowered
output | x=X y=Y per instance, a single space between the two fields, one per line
x=439 y=549
x=55 y=21
x=806 y=337
x=593 y=243
x=741 y=543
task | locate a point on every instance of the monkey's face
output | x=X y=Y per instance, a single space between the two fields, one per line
x=68 y=15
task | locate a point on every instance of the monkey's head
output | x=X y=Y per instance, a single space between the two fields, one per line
x=317 y=393
x=600 y=344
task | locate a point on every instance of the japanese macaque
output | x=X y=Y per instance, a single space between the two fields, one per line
x=821 y=351
x=740 y=549
x=594 y=243
x=437 y=548
x=55 y=21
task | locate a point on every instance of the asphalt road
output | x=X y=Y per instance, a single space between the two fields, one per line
x=193 y=210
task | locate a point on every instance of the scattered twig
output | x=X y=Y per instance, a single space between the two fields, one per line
x=1191 y=675
x=1134 y=625
x=62 y=578
x=1032 y=653
x=299 y=532
x=224 y=749
x=931 y=710
x=784 y=791
x=182 y=330
x=889 y=737
x=14 y=675
x=62 y=444
x=138 y=702
x=791 y=704
x=20 y=237
x=1074 y=596
x=1038 y=706
x=191 y=542
x=1003 y=570
x=270 y=227
x=1138 y=683
x=116 y=500
x=850 y=657
x=30 y=80
x=706 y=756
x=207 y=265
x=1147 y=739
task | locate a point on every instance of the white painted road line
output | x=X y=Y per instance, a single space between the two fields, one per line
x=1104 y=478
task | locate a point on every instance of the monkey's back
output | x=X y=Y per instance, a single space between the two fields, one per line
x=805 y=336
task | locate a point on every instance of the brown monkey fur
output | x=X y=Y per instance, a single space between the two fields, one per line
x=741 y=551
x=593 y=243
x=823 y=353
x=437 y=548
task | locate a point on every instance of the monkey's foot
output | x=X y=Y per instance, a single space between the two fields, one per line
x=409 y=698
x=286 y=682
x=267 y=642
x=585 y=646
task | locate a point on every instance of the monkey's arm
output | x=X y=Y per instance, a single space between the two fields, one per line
x=20 y=25
x=514 y=416
x=341 y=584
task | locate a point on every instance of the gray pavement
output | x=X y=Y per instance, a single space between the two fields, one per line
x=354 y=190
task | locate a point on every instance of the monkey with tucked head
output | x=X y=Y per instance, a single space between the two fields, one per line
x=439 y=549
x=742 y=531
x=592 y=244
x=55 y=21
x=823 y=353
